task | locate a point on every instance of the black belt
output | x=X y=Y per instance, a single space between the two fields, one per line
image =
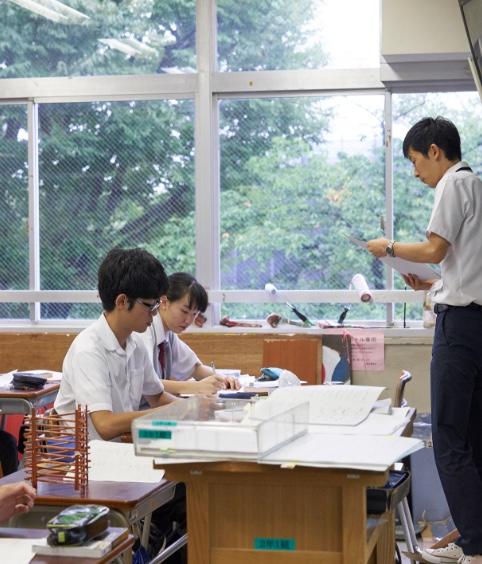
x=438 y=308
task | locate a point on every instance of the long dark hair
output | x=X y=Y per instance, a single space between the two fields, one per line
x=182 y=283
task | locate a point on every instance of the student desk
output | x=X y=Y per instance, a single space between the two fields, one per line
x=122 y=550
x=23 y=401
x=249 y=513
x=128 y=501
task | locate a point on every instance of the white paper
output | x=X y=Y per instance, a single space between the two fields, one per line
x=329 y=405
x=17 y=550
x=423 y=271
x=344 y=451
x=117 y=462
x=6 y=379
x=375 y=424
x=246 y=380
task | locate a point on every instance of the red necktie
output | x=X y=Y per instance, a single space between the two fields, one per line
x=162 y=357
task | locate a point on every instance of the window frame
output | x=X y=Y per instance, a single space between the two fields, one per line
x=207 y=87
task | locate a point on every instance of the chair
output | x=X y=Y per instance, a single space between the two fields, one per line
x=403 y=509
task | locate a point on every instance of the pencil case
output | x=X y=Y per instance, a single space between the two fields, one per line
x=27 y=381
x=77 y=524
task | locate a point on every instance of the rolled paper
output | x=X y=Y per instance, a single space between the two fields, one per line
x=270 y=288
x=360 y=285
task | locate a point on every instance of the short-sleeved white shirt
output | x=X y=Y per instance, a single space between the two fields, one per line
x=183 y=358
x=99 y=373
x=457 y=217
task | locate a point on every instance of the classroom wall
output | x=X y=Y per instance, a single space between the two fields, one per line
x=414 y=30
x=24 y=351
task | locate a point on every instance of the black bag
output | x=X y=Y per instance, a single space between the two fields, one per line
x=390 y=495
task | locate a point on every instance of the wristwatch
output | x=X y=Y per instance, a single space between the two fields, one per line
x=389 y=249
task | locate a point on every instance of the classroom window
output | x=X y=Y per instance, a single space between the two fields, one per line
x=306 y=34
x=114 y=174
x=96 y=38
x=298 y=176
x=413 y=200
x=14 y=257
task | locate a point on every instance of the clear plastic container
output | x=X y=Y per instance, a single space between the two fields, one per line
x=201 y=427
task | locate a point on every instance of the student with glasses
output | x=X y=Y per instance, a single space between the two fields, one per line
x=107 y=367
x=174 y=361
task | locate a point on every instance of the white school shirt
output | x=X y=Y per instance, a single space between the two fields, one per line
x=457 y=217
x=99 y=373
x=183 y=359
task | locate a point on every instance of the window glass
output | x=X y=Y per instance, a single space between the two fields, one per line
x=14 y=258
x=114 y=174
x=70 y=311
x=413 y=200
x=298 y=176
x=96 y=37
x=306 y=34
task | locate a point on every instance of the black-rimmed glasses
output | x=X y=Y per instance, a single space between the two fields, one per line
x=151 y=307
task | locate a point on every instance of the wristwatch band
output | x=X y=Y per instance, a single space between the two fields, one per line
x=390 y=250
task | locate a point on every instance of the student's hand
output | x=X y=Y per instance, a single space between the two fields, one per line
x=414 y=282
x=231 y=383
x=378 y=247
x=15 y=498
x=210 y=384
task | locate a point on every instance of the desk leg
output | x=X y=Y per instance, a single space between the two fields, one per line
x=354 y=523
x=198 y=548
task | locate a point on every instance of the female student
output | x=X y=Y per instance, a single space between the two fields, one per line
x=174 y=361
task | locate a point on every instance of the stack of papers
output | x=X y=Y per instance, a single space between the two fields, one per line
x=344 y=451
x=342 y=431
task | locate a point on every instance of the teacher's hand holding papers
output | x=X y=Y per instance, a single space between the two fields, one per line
x=416 y=274
x=378 y=247
x=416 y=284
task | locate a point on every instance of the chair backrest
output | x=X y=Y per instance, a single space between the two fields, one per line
x=398 y=399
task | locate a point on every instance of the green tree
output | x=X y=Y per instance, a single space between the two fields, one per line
x=122 y=173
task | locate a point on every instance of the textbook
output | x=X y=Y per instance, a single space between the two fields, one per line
x=93 y=549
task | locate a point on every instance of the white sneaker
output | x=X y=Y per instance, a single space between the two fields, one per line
x=475 y=559
x=450 y=554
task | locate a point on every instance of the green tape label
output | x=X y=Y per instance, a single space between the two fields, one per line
x=165 y=423
x=153 y=434
x=266 y=543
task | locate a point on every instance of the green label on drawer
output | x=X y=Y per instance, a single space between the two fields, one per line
x=267 y=543
x=165 y=423
x=154 y=434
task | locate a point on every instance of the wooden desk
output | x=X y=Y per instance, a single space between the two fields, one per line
x=23 y=401
x=123 y=549
x=129 y=501
x=241 y=512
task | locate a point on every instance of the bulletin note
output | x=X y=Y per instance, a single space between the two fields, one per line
x=367 y=350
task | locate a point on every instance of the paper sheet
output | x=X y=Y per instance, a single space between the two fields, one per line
x=374 y=425
x=367 y=350
x=423 y=271
x=117 y=462
x=344 y=451
x=6 y=379
x=329 y=405
x=17 y=550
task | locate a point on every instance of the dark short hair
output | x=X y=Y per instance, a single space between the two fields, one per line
x=182 y=283
x=133 y=272
x=439 y=131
